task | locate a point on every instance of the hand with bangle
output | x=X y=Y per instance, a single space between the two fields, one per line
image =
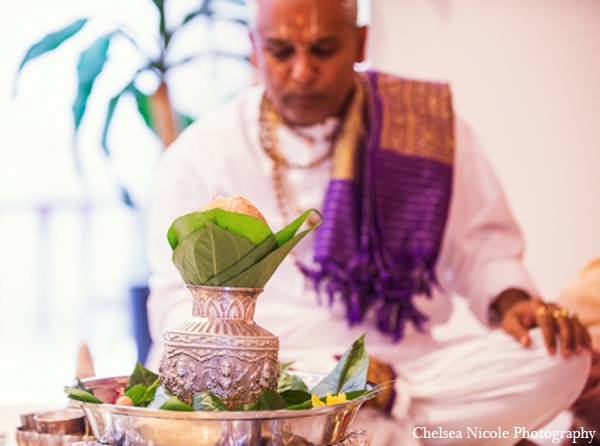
x=519 y=313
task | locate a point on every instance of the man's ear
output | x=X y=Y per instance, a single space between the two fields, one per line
x=361 y=43
x=253 y=60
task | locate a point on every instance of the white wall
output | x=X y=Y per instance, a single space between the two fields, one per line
x=525 y=74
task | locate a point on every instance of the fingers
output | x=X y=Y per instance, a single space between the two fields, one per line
x=567 y=333
x=582 y=338
x=558 y=321
x=546 y=321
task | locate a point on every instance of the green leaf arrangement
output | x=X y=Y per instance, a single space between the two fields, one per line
x=349 y=377
x=223 y=248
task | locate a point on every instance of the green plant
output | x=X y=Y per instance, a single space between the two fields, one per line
x=156 y=108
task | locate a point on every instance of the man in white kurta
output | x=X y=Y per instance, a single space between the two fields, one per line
x=486 y=383
x=468 y=382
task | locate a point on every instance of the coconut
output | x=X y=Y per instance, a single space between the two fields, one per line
x=235 y=204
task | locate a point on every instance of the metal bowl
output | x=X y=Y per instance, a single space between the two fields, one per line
x=138 y=426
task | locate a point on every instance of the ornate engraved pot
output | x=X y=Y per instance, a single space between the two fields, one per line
x=221 y=350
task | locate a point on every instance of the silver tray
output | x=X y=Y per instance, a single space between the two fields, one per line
x=138 y=426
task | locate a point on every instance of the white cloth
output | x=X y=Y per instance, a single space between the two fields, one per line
x=480 y=257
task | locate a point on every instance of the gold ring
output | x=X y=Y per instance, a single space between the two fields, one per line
x=563 y=312
x=542 y=311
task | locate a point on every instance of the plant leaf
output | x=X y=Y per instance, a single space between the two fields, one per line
x=141 y=375
x=206 y=401
x=112 y=105
x=207 y=251
x=271 y=400
x=144 y=108
x=248 y=407
x=52 y=41
x=293 y=397
x=259 y=274
x=350 y=373
x=184 y=120
x=253 y=257
x=184 y=226
x=288 y=232
x=287 y=381
x=91 y=62
x=81 y=395
x=81 y=386
x=303 y=406
x=174 y=403
x=150 y=392
x=242 y=224
x=136 y=393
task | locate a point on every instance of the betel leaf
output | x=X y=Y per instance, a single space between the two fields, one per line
x=290 y=230
x=207 y=251
x=245 y=225
x=350 y=373
x=293 y=397
x=52 y=41
x=184 y=226
x=206 y=401
x=259 y=274
x=241 y=224
x=141 y=375
x=253 y=257
x=175 y=404
x=287 y=381
x=91 y=62
x=136 y=393
x=248 y=407
x=81 y=386
x=302 y=406
x=81 y=395
x=271 y=400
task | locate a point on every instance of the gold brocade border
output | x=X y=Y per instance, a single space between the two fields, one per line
x=417 y=118
x=351 y=136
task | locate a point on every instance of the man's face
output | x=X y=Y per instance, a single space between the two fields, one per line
x=305 y=51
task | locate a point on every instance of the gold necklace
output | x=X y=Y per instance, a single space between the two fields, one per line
x=351 y=132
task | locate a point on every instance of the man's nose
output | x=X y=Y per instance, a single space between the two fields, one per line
x=304 y=70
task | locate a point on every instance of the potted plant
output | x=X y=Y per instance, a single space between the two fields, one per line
x=156 y=107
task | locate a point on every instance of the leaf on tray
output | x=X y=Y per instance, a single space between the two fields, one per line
x=141 y=375
x=81 y=395
x=206 y=401
x=350 y=373
x=271 y=400
x=175 y=404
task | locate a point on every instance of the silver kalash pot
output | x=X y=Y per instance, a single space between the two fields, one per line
x=221 y=350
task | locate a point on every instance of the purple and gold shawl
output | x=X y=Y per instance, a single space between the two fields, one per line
x=384 y=221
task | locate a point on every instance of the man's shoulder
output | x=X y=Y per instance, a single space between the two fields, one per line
x=389 y=80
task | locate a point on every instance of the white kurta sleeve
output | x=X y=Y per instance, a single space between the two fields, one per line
x=483 y=246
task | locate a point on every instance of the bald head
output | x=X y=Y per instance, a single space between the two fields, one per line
x=349 y=9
